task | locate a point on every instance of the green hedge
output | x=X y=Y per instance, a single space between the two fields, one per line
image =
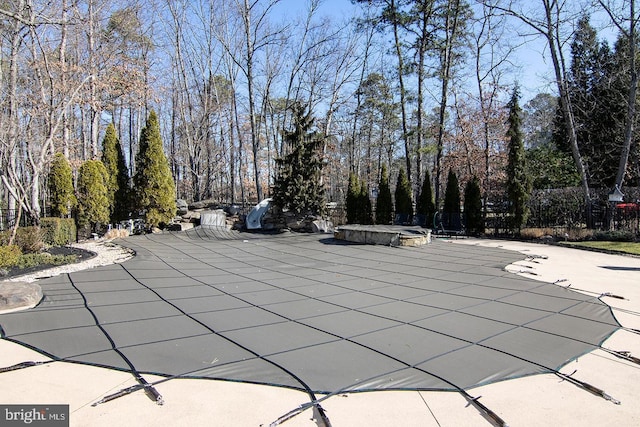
x=58 y=231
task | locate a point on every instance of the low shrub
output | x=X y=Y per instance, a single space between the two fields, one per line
x=559 y=233
x=9 y=256
x=58 y=231
x=30 y=239
x=579 y=234
x=34 y=260
x=614 y=236
x=535 y=233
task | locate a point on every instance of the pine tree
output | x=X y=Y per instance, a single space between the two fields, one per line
x=451 y=208
x=425 y=205
x=351 y=204
x=404 y=204
x=473 y=207
x=518 y=186
x=384 y=204
x=118 y=183
x=154 y=185
x=298 y=185
x=61 y=191
x=93 y=199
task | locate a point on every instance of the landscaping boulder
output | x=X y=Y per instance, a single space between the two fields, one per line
x=182 y=206
x=321 y=226
x=16 y=296
x=215 y=218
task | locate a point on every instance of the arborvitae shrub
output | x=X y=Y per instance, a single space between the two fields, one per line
x=452 y=194
x=404 y=203
x=118 y=190
x=364 y=204
x=58 y=231
x=61 y=193
x=93 y=201
x=351 y=204
x=451 y=210
x=154 y=185
x=384 y=203
x=473 y=207
x=425 y=205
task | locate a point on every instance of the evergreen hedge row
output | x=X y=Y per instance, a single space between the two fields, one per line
x=58 y=231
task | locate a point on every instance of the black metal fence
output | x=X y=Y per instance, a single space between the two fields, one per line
x=8 y=219
x=566 y=208
x=560 y=209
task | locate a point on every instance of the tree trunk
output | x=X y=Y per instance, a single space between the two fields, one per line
x=631 y=100
x=446 y=61
x=250 y=89
x=548 y=27
x=565 y=105
x=403 y=96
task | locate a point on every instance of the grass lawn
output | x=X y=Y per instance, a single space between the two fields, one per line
x=626 y=247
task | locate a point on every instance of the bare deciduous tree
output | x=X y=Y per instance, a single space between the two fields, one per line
x=547 y=21
x=626 y=23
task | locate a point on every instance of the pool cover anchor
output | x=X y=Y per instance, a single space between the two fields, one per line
x=321 y=420
x=625 y=355
x=588 y=387
x=149 y=390
x=600 y=294
x=142 y=383
x=23 y=365
x=487 y=413
x=150 y=387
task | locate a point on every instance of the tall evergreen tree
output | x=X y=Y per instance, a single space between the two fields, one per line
x=518 y=186
x=451 y=209
x=61 y=191
x=118 y=183
x=364 y=203
x=404 y=203
x=384 y=203
x=351 y=204
x=298 y=186
x=473 y=207
x=425 y=205
x=93 y=198
x=155 y=189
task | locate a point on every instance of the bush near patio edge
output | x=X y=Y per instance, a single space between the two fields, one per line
x=28 y=239
x=9 y=256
